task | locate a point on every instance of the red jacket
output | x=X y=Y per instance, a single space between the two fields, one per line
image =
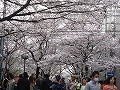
x=107 y=87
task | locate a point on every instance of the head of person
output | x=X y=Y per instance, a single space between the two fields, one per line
x=58 y=77
x=33 y=75
x=84 y=81
x=46 y=76
x=110 y=80
x=16 y=78
x=21 y=75
x=73 y=78
x=25 y=75
x=104 y=81
x=31 y=80
x=6 y=75
x=88 y=79
x=95 y=76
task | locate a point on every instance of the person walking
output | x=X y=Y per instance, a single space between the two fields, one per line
x=32 y=82
x=46 y=82
x=93 y=84
x=16 y=78
x=5 y=81
x=73 y=83
x=62 y=83
x=83 y=83
x=110 y=84
x=56 y=84
x=78 y=85
x=38 y=82
x=23 y=83
x=10 y=85
x=69 y=84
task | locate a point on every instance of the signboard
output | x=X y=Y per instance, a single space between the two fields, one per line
x=109 y=74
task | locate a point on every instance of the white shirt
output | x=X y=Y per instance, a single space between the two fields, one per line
x=82 y=87
x=92 y=86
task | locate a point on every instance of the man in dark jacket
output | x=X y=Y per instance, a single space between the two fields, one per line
x=23 y=83
x=46 y=82
x=62 y=83
x=56 y=84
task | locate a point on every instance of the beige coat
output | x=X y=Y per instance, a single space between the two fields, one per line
x=10 y=85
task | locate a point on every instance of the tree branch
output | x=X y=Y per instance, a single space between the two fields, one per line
x=40 y=11
x=14 y=3
x=16 y=12
x=36 y=21
x=33 y=21
x=62 y=5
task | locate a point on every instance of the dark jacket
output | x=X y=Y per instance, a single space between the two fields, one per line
x=55 y=86
x=46 y=84
x=63 y=85
x=38 y=84
x=4 y=84
x=23 y=84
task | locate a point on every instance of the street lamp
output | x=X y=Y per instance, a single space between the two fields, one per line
x=25 y=57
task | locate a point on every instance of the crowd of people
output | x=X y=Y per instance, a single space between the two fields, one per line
x=26 y=82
